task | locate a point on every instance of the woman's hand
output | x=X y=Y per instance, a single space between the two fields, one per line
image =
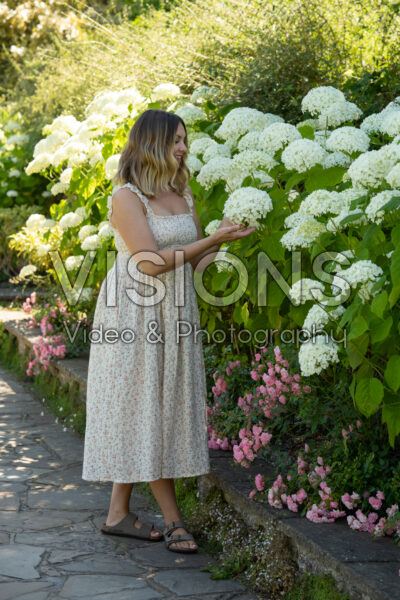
x=230 y=233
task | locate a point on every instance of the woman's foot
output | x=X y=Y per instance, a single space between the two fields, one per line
x=114 y=521
x=183 y=543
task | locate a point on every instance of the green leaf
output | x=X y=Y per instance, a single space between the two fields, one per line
x=306 y=132
x=392 y=372
x=357 y=201
x=379 y=304
x=394 y=295
x=357 y=349
x=391 y=204
x=395 y=267
x=320 y=178
x=272 y=246
x=381 y=330
x=358 y=327
x=396 y=236
x=351 y=218
x=275 y=296
x=245 y=314
x=369 y=394
x=391 y=415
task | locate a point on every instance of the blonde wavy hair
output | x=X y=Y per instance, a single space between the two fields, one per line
x=147 y=160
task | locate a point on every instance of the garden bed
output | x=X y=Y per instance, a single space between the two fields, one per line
x=362 y=567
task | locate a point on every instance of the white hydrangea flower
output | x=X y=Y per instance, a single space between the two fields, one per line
x=321 y=202
x=373 y=211
x=12 y=193
x=193 y=163
x=200 y=145
x=106 y=231
x=246 y=163
x=241 y=120
x=348 y=139
x=318 y=317
x=131 y=95
x=303 y=235
x=35 y=221
x=111 y=166
x=371 y=124
x=247 y=205
x=390 y=124
x=306 y=289
x=216 y=150
x=12 y=126
x=14 y=173
x=297 y=218
x=63 y=123
x=43 y=249
x=196 y=135
x=212 y=226
x=223 y=262
x=338 y=113
x=249 y=141
x=70 y=219
x=190 y=114
x=65 y=176
x=336 y=159
x=82 y=212
x=370 y=169
x=92 y=242
x=51 y=143
x=293 y=194
x=164 y=91
x=38 y=164
x=48 y=224
x=277 y=136
x=26 y=271
x=70 y=149
x=203 y=93
x=73 y=262
x=393 y=177
x=317 y=99
x=361 y=271
x=214 y=170
x=59 y=188
x=265 y=180
x=317 y=354
x=18 y=140
x=85 y=231
x=303 y=154
x=86 y=294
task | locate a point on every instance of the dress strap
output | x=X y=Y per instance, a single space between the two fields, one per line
x=138 y=192
x=188 y=197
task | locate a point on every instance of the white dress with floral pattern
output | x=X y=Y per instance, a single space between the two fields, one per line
x=146 y=400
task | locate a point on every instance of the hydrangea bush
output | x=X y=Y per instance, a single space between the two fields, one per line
x=326 y=188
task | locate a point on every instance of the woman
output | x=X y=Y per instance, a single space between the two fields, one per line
x=146 y=398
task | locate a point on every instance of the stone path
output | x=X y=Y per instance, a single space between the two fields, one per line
x=50 y=542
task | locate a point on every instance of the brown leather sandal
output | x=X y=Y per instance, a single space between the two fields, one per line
x=170 y=538
x=127 y=528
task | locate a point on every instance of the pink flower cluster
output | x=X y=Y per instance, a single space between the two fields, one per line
x=44 y=350
x=251 y=441
x=275 y=383
x=27 y=305
x=346 y=433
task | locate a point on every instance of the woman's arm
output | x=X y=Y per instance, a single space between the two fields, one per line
x=130 y=220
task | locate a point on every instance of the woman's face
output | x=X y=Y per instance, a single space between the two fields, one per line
x=179 y=146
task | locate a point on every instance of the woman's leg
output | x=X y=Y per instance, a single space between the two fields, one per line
x=164 y=492
x=119 y=506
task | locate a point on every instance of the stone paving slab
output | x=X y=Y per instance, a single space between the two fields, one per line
x=51 y=546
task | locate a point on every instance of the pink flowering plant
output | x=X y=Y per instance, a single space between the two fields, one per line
x=55 y=320
x=330 y=462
